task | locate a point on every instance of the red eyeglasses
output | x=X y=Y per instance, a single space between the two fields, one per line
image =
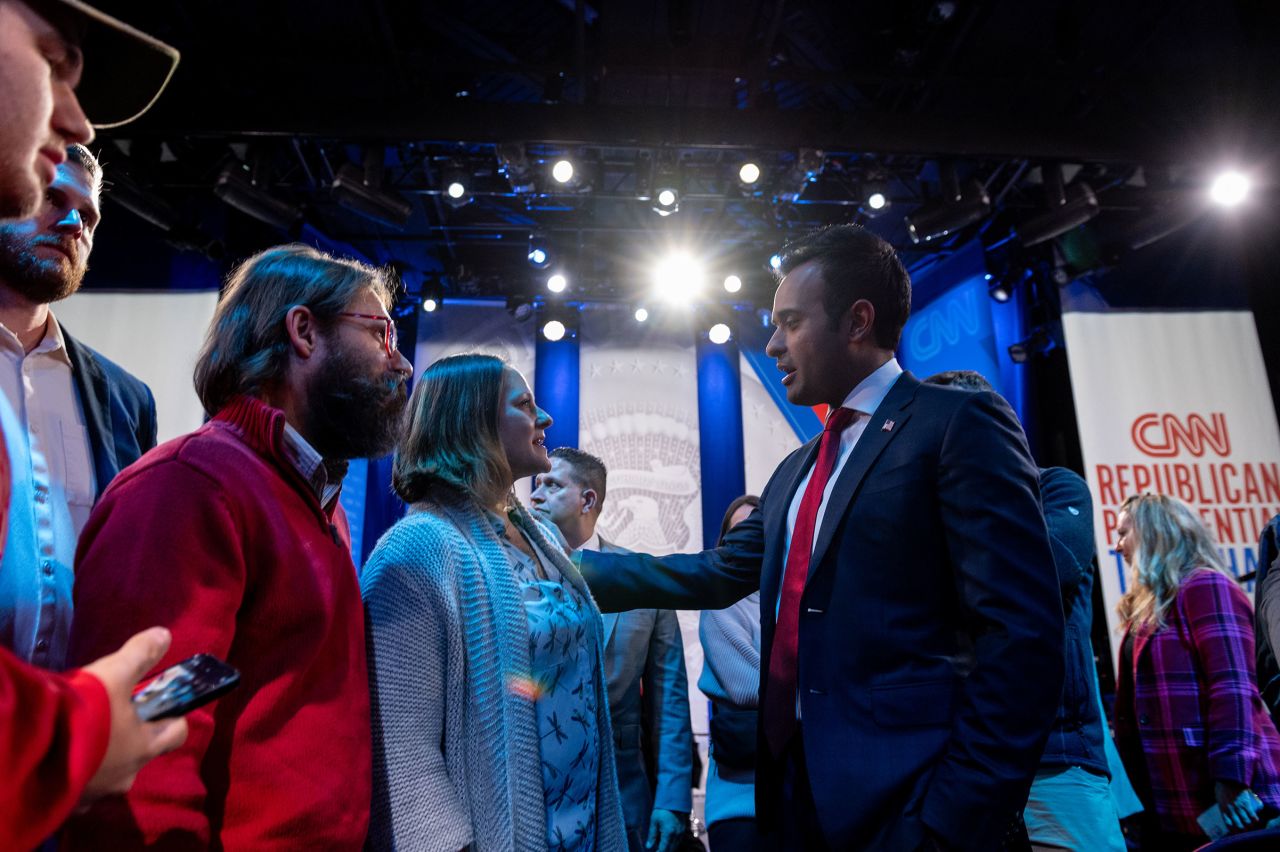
x=390 y=339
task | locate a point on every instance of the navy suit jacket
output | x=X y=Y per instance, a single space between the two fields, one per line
x=119 y=411
x=931 y=626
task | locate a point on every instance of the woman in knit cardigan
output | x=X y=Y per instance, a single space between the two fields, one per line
x=490 y=715
x=1190 y=725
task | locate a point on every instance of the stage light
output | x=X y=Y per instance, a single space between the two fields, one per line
x=429 y=305
x=877 y=201
x=719 y=333
x=678 y=279
x=539 y=252
x=732 y=283
x=456 y=189
x=775 y=262
x=1068 y=208
x=1040 y=342
x=748 y=173
x=520 y=308
x=238 y=190
x=562 y=171
x=513 y=164
x=553 y=330
x=947 y=215
x=1229 y=189
x=641 y=314
x=1000 y=291
x=557 y=283
x=360 y=191
x=666 y=201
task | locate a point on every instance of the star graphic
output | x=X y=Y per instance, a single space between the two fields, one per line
x=637 y=365
x=596 y=370
x=615 y=366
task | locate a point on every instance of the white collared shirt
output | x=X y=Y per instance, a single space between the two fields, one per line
x=53 y=491
x=865 y=399
x=593 y=543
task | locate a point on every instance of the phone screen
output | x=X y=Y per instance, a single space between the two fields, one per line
x=185 y=686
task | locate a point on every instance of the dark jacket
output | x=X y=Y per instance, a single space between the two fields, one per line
x=119 y=411
x=1266 y=592
x=1077 y=735
x=933 y=532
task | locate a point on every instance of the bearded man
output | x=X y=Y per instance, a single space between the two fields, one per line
x=233 y=536
x=73 y=420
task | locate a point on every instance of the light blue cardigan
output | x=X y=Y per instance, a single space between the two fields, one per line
x=456 y=760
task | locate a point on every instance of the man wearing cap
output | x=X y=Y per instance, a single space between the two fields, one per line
x=74 y=738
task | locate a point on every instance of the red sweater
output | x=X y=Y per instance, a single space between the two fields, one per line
x=216 y=536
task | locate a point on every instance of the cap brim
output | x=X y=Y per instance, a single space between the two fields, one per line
x=125 y=70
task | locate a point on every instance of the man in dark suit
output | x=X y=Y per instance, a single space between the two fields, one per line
x=911 y=625
x=72 y=418
x=643 y=663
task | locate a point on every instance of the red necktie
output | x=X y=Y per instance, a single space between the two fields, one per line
x=780 y=709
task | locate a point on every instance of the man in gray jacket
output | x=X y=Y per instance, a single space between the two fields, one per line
x=644 y=665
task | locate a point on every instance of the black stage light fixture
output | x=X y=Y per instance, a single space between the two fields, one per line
x=666 y=199
x=432 y=294
x=237 y=188
x=520 y=308
x=875 y=198
x=1159 y=224
x=809 y=164
x=513 y=164
x=1039 y=342
x=1067 y=208
x=457 y=189
x=353 y=189
x=956 y=209
x=142 y=203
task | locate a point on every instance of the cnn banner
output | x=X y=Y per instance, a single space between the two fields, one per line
x=1177 y=404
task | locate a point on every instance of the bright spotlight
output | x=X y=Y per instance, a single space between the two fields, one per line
x=641 y=314
x=749 y=173
x=719 y=333
x=666 y=201
x=562 y=171
x=538 y=256
x=678 y=278
x=1229 y=189
x=429 y=305
x=553 y=330
x=877 y=201
x=732 y=283
x=776 y=261
x=456 y=189
x=556 y=283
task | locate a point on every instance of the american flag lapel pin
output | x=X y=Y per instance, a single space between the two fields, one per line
x=887 y=426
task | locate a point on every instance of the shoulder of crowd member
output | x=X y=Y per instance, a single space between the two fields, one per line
x=1205 y=590
x=421 y=542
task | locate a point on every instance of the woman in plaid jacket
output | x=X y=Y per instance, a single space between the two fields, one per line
x=1189 y=720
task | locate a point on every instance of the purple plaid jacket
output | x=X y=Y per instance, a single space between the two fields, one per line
x=1190 y=699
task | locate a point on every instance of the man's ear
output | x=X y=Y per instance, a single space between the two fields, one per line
x=589 y=500
x=862 y=320
x=303 y=330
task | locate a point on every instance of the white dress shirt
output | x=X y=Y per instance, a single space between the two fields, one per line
x=865 y=399
x=53 y=491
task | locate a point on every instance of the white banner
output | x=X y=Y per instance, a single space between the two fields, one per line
x=154 y=335
x=767 y=437
x=1177 y=404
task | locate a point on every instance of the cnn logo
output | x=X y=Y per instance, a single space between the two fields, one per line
x=1164 y=435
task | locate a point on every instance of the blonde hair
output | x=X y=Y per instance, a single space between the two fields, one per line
x=1170 y=543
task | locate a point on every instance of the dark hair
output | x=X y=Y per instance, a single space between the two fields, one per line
x=745 y=500
x=856 y=264
x=589 y=470
x=247 y=346
x=452 y=436
x=83 y=157
x=966 y=379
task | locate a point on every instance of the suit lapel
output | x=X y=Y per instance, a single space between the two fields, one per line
x=775 y=530
x=892 y=413
x=91 y=386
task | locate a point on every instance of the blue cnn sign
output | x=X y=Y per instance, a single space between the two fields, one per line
x=953 y=332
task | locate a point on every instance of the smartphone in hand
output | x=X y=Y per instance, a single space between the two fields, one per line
x=183 y=687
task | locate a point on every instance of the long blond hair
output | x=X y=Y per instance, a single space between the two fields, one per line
x=1171 y=542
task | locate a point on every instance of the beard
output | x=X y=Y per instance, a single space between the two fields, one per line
x=37 y=279
x=352 y=415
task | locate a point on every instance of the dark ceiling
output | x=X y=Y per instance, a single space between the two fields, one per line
x=1141 y=100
